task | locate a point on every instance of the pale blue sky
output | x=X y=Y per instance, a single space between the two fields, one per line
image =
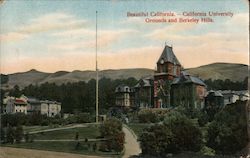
x=59 y=35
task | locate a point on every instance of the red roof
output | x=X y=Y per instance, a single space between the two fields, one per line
x=20 y=101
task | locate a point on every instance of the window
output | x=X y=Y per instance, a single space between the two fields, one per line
x=175 y=70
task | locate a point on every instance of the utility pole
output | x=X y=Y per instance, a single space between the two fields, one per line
x=97 y=77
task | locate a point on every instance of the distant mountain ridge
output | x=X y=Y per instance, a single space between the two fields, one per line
x=234 y=72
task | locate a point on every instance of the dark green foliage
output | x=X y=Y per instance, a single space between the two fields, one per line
x=187 y=136
x=177 y=133
x=227 y=134
x=15 y=92
x=226 y=84
x=79 y=96
x=4 y=78
x=111 y=130
x=157 y=140
x=10 y=134
x=147 y=116
x=2 y=93
x=19 y=134
x=27 y=137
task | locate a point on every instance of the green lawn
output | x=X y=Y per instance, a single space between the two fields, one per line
x=89 y=132
x=35 y=128
x=138 y=127
x=69 y=147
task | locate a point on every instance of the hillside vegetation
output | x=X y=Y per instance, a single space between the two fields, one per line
x=234 y=72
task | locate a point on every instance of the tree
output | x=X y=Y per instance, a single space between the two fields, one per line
x=147 y=116
x=10 y=135
x=15 y=92
x=111 y=130
x=19 y=133
x=187 y=136
x=156 y=140
x=227 y=133
x=2 y=93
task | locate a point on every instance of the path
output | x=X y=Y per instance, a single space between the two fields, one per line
x=59 y=128
x=132 y=146
x=6 y=152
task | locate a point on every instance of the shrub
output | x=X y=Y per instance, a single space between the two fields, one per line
x=147 y=116
x=156 y=140
x=19 y=133
x=111 y=130
x=227 y=134
x=187 y=135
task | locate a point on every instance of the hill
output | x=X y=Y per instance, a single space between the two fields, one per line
x=234 y=72
x=23 y=79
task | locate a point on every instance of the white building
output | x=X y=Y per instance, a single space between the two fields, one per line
x=15 y=105
x=232 y=96
x=50 y=108
x=29 y=105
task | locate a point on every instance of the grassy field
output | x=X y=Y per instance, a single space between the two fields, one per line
x=86 y=148
x=67 y=147
x=35 y=128
x=89 y=132
x=138 y=127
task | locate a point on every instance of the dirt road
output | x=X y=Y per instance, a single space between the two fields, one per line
x=132 y=147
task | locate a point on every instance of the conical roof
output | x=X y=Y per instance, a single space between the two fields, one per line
x=168 y=56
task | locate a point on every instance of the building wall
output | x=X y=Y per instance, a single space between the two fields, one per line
x=144 y=97
x=50 y=109
x=54 y=109
x=20 y=108
x=122 y=99
x=12 y=108
x=188 y=95
x=169 y=68
x=230 y=98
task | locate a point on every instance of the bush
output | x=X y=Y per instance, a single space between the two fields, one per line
x=177 y=133
x=147 y=116
x=227 y=134
x=156 y=140
x=19 y=133
x=187 y=136
x=111 y=130
x=207 y=151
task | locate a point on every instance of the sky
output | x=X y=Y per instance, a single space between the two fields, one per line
x=60 y=35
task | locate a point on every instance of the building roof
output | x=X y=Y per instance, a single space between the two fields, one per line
x=186 y=78
x=49 y=102
x=239 y=93
x=145 y=82
x=33 y=100
x=19 y=101
x=214 y=93
x=168 y=56
x=122 y=88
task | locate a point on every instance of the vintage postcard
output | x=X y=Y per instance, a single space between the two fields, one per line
x=116 y=78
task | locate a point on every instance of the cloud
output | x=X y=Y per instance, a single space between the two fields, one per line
x=45 y=23
x=171 y=30
x=13 y=36
x=85 y=39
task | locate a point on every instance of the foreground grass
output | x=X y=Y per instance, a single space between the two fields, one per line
x=68 y=147
x=86 y=148
x=89 y=132
x=138 y=127
x=36 y=128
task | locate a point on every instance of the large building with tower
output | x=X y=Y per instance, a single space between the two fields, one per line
x=169 y=87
